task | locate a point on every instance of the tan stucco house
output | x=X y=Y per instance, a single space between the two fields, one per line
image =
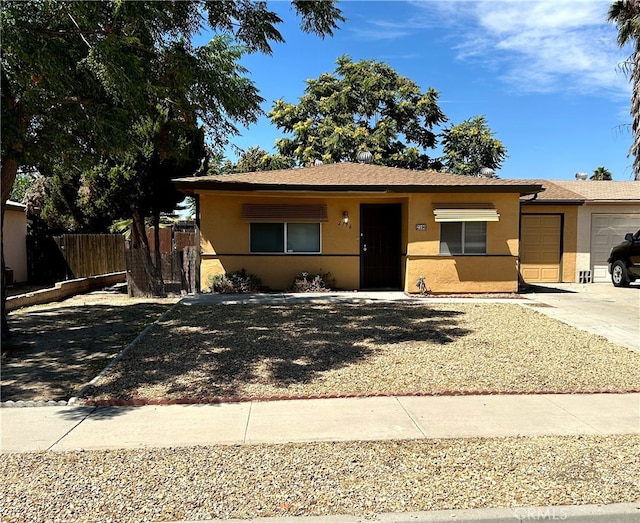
x=371 y=227
x=14 y=234
x=569 y=228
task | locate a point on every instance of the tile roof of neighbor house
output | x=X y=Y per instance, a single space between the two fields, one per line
x=355 y=177
x=578 y=192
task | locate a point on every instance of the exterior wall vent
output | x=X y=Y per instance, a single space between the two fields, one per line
x=584 y=277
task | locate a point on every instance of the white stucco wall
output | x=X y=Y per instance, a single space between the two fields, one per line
x=14 y=233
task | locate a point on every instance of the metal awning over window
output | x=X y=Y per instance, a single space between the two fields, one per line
x=285 y=212
x=466 y=213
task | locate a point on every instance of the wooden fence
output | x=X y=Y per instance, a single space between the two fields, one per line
x=179 y=262
x=70 y=256
x=92 y=254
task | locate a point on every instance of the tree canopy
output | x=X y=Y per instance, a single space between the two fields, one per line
x=626 y=15
x=254 y=159
x=470 y=146
x=601 y=173
x=80 y=78
x=362 y=106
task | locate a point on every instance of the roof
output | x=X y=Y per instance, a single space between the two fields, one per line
x=354 y=177
x=554 y=193
x=10 y=205
x=603 y=191
x=592 y=191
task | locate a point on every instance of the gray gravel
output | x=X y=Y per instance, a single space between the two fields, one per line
x=316 y=479
x=395 y=348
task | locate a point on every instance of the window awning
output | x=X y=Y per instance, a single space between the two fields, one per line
x=468 y=213
x=285 y=212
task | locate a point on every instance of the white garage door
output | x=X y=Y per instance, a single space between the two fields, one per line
x=608 y=230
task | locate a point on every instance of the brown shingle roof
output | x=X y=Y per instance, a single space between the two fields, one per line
x=552 y=192
x=601 y=190
x=578 y=192
x=355 y=177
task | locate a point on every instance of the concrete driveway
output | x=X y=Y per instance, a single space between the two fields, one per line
x=601 y=308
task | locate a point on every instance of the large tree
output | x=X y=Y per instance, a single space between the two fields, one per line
x=255 y=159
x=470 y=146
x=78 y=77
x=626 y=15
x=362 y=106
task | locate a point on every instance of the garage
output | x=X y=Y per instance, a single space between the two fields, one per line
x=608 y=230
x=540 y=248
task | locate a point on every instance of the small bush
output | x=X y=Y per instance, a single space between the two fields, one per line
x=305 y=282
x=238 y=282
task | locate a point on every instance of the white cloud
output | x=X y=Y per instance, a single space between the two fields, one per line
x=532 y=45
x=547 y=45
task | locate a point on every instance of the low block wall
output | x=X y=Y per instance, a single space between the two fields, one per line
x=64 y=289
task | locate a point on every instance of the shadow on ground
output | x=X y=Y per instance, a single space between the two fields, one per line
x=213 y=351
x=53 y=352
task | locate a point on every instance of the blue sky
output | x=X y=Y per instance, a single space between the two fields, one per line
x=545 y=73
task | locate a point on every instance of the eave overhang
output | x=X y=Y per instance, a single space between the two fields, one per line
x=192 y=186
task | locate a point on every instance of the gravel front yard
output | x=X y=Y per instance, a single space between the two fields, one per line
x=201 y=352
x=361 y=478
x=56 y=348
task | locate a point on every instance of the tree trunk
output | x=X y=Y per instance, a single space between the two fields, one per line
x=153 y=285
x=635 y=110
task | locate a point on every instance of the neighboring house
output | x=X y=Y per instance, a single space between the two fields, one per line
x=570 y=227
x=14 y=234
x=371 y=227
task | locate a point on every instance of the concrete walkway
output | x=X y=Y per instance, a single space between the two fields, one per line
x=600 y=308
x=346 y=419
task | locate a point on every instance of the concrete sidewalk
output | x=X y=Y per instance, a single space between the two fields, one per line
x=346 y=419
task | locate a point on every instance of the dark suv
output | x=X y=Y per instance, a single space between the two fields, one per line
x=624 y=260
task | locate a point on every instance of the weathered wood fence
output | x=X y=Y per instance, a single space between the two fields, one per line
x=178 y=259
x=58 y=258
x=71 y=256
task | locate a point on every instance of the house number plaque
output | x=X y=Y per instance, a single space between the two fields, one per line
x=421 y=226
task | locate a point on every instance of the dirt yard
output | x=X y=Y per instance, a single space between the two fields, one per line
x=199 y=352
x=56 y=348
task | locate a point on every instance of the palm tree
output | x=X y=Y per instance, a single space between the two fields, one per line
x=626 y=15
x=601 y=173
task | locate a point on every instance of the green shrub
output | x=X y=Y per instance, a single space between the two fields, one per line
x=305 y=282
x=237 y=282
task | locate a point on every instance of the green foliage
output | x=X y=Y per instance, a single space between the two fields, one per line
x=626 y=15
x=601 y=173
x=362 y=106
x=255 y=159
x=239 y=282
x=470 y=146
x=78 y=77
x=21 y=185
x=306 y=282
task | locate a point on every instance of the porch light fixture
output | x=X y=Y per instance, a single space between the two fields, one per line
x=345 y=217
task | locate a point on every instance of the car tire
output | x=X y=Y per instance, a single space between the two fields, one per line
x=619 y=276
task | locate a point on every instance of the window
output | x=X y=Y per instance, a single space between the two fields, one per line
x=290 y=238
x=463 y=238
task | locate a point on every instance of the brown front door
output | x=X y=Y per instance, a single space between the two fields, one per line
x=380 y=246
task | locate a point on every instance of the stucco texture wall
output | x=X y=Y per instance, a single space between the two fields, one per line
x=225 y=242
x=494 y=272
x=14 y=233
